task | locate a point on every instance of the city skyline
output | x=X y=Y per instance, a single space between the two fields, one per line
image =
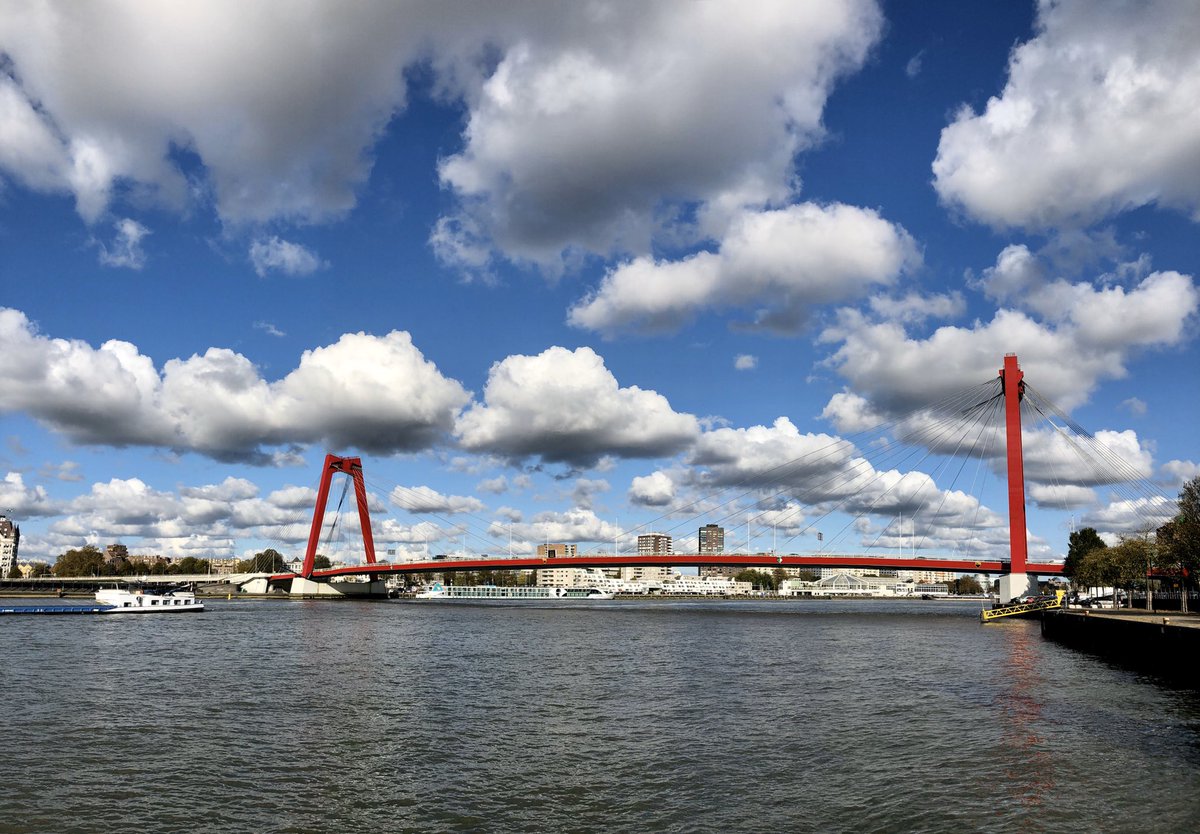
x=579 y=273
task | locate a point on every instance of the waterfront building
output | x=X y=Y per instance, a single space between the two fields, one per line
x=29 y=569
x=223 y=566
x=928 y=576
x=650 y=575
x=116 y=551
x=10 y=541
x=704 y=586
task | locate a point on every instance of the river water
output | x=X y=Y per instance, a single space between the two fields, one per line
x=872 y=716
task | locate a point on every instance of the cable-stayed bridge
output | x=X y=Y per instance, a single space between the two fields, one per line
x=1005 y=398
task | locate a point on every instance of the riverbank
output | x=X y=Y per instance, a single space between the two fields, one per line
x=1161 y=644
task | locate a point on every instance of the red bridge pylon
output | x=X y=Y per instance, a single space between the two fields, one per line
x=353 y=468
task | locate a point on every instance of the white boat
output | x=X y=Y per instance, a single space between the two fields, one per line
x=534 y=593
x=124 y=601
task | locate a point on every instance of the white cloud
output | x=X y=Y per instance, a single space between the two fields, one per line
x=1132 y=516
x=1098 y=116
x=376 y=393
x=1077 y=336
x=1062 y=496
x=654 y=490
x=1134 y=406
x=776 y=263
x=1179 y=472
x=585 y=491
x=576 y=525
x=569 y=144
x=913 y=68
x=283 y=256
x=20 y=501
x=1056 y=457
x=745 y=362
x=126 y=248
x=566 y=406
x=776 y=456
x=423 y=499
x=495 y=486
x=269 y=329
x=914 y=307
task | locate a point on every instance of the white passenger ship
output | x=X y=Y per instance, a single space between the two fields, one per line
x=542 y=593
x=124 y=601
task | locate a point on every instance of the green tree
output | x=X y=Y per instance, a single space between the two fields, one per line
x=14 y=573
x=779 y=575
x=1129 y=563
x=1179 y=540
x=321 y=562
x=1079 y=544
x=965 y=585
x=759 y=579
x=809 y=575
x=84 y=561
x=266 y=561
x=190 y=565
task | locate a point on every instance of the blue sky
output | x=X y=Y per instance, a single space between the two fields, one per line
x=582 y=271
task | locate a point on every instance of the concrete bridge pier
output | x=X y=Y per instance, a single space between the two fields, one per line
x=302 y=587
x=1016 y=585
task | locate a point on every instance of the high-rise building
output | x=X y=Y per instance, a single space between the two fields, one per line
x=654 y=544
x=10 y=540
x=711 y=539
x=554 y=551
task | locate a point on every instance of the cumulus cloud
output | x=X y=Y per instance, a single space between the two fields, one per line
x=775 y=263
x=496 y=486
x=1179 y=472
x=914 y=307
x=126 y=248
x=1055 y=457
x=1132 y=516
x=1098 y=116
x=21 y=501
x=280 y=121
x=576 y=525
x=376 y=393
x=567 y=143
x=1062 y=496
x=745 y=362
x=585 y=491
x=283 y=256
x=1069 y=338
x=423 y=499
x=566 y=406
x=654 y=490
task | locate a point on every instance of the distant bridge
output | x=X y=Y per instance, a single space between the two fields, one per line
x=679 y=560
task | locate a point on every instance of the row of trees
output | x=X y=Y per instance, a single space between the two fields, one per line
x=91 y=561
x=1170 y=557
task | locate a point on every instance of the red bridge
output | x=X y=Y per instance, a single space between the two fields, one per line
x=1015 y=572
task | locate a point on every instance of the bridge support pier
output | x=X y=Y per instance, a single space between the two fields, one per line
x=1015 y=585
x=302 y=587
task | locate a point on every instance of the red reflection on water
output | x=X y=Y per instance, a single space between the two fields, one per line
x=1030 y=774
